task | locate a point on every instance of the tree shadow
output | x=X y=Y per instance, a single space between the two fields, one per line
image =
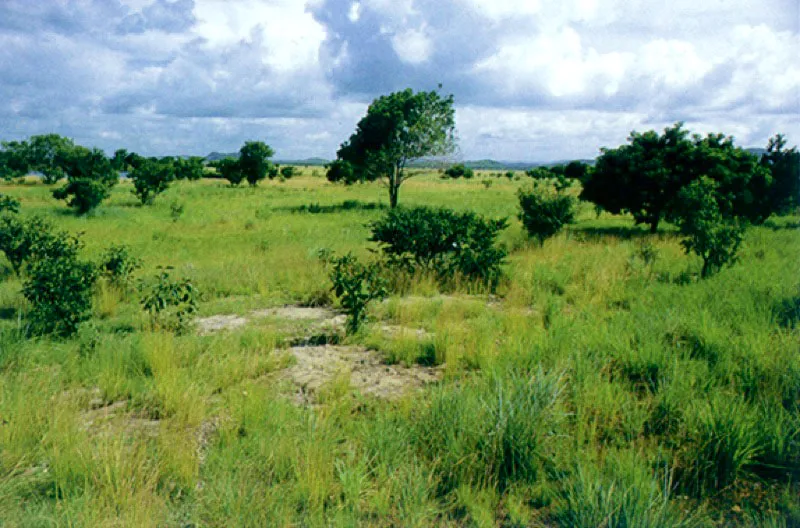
x=8 y=313
x=347 y=205
x=775 y=226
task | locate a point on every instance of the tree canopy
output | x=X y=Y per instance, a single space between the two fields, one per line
x=644 y=177
x=397 y=129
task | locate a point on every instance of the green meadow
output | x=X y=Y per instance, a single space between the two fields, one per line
x=601 y=384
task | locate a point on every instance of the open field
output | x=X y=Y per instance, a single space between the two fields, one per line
x=592 y=388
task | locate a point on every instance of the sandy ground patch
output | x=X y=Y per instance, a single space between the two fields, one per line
x=317 y=365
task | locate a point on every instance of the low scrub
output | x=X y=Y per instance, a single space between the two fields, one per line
x=545 y=209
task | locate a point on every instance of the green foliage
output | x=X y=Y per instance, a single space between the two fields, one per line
x=254 y=161
x=57 y=284
x=90 y=179
x=14 y=161
x=645 y=177
x=545 y=210
x=151 y=178
x=118 y=265
x=49 y=154
x=399 y=128
x=784 y=166
x=171 y=303
x=288 y=171
x=191 y=168
x=8 y=204
x=708 y=233
x=722 y=445
x=82 y=194
x=342 y=171
x=25 y=240
x=459 y=170
x=119 y=160
x=230 y=169
x=356 y=285
x=442 y=241
x=176 y=210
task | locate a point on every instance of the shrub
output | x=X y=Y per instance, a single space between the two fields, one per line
x=188 y=168
x=545 y=210
x=117 y=265
x=176 y=210
x=58 y=285
x=442 y=241
x=459 y=171
x=709 y=234
x=170 y=303
x=8 y=204
x=150 y=179
x=229 y=169
x=85 y=194
x=341 y=171
x=356 y=285
x=23 y=240
x=288 y=172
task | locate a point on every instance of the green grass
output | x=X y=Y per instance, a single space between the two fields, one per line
x=602 y=385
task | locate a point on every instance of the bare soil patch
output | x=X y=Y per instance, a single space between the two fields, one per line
x=318 y=365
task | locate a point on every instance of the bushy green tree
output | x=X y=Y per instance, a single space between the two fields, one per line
x=49 y=155
x=151 y=178
x=545 y=209
x=90 y=178
x=459 y=170
x=14 y=160
x=399 y=128
x=442 y=241
x=784 y=166
x=191 y=168
x=644 y=177
x=254 y=161
x=709 y=234
x=8 y=204
x=341 y=171
x=356 y=285
x=288 y=172
x=230 y=169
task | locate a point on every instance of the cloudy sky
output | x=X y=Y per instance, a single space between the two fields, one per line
x=533 y=80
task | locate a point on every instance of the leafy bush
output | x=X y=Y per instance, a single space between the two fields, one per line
x=459 y=170
x=356 y=285
x=8 y=204
x=188 y=168
x=24 y=240
x=230 y=169
x=341 y=171
x=58 y=285
x=117 y=265
x=85 y=194
x=442 y=241
x=150 y=179
x=288 y=172
x=709 y=234
x=176 y=210
x=545 y=210
x=170 y=303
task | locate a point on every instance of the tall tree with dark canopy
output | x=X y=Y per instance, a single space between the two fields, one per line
x=90 y=178
x=784 y=165
x=644 y=177
x=399 y=128
x=254 y=161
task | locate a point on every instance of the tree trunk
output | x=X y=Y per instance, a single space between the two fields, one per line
x=394 y=187
x=654 y=226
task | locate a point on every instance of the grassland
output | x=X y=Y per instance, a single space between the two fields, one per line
x=596 y=388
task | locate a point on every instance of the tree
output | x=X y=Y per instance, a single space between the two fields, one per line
x=119 y=160
x=645 y=176
x=459 y=170
x=47 y=154
x=709 y=234
x=784 y=166
x=254 y=161
x=230 y=169
x=288 y=172
x=152 y=178
x=341 y=171
x=90 y=179
x=545 y=209
x=188 y=168
x=397 y=129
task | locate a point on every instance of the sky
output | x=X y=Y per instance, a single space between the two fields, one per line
x=533 y=80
